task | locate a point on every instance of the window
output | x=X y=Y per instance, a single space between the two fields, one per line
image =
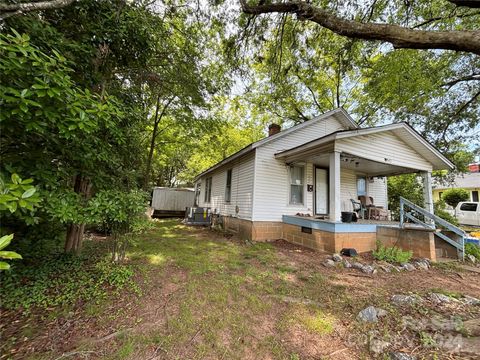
x=228 y=186
x=468 y=207
x=361 y=186
x=475 y=196
x=296 y=185
x=208 y=189
x=198 y=189
x=440 y=195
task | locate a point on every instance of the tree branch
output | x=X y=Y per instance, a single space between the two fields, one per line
x=8 y=10
x=466 y=3
x=398 y=36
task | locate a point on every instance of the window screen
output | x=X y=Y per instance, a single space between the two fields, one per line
x=228 y=186
x=475 y=196
x=208 y=189
x=296 y=184
x=361 y=186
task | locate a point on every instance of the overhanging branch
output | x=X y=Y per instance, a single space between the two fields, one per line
x=8 y=10
x=398 y=36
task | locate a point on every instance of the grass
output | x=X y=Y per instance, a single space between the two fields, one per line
x=197 y=295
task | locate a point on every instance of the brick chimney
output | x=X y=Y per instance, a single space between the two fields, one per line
x=274 y=129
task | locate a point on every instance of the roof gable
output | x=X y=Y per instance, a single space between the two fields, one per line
x=339 y=114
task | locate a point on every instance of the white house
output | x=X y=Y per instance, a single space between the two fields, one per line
x=315 y=168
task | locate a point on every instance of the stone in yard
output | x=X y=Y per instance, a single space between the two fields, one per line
x=421 y=265
x=337 y=257
x=438 y=298
x=368 y=269
x=346 y=263
x=328 y=263
x=378 y=346
x=400 y=356
x=408 y=267
x=471 y=258
x=371 y=314
x=461 y=345
x=357 y=265
x=472 y=327
x=470 y=300
x=406 y=299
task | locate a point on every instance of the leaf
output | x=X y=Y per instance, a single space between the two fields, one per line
x=28 y=193
x=16 y=179
x=4 y=266
x=10 y=255
x=5 y=241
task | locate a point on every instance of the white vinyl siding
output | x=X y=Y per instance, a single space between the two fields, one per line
x=241 y=188
x=271 y=197
x=384 y=148
x=377 y=189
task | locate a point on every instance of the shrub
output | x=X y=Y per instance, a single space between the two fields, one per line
x=472 y=249
x=391 y=254
x=47 y=279
x=440 y=211
x=453 y=196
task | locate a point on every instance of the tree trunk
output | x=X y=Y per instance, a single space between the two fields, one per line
x=74 y=238
x=156 y=122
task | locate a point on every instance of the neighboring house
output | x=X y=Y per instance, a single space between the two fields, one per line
x=314 y=168
x=469 y=181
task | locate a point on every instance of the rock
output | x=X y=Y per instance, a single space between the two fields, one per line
x=378 y=346
x=337 y=257
x=400 y=356
x=422 y=265
x=371 y=314
x=471 y=258
x=329 y=263
x=472 y=327
x=438 y=298
x=357 y=265
x=408 y=267
x=470 y=300
x=368 y=269
x=347 y=264
x=406 y=299
x=461 y=345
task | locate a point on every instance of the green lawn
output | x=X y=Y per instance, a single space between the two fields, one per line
x=190 y=293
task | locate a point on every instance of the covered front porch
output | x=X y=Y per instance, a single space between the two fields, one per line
x=349 y=164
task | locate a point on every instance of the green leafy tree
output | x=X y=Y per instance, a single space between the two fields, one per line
x=453 y=196
x=407 y=186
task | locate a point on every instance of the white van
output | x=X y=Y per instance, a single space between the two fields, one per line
x=468 y=213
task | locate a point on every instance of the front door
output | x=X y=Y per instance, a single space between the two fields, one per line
x=321 y=191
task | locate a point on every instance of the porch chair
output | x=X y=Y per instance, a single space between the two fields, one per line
x=358 y=208
x=374 y=212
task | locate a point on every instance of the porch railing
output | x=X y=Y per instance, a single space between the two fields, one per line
x=410 y=211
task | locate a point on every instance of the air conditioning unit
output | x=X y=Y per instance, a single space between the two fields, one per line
x=198 y=216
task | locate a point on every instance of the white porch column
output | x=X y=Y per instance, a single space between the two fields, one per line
x=334 y=186
x=427 y=191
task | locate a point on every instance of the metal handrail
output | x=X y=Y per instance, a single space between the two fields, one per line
x=435 y=220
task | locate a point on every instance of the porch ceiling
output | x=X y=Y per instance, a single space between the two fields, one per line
x=360 y=165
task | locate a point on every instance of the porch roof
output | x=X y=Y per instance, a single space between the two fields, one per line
x=397 y=146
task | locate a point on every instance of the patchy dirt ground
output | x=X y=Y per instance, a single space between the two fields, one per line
x=206 y=296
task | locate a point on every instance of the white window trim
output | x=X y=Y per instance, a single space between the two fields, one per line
x=303 y=203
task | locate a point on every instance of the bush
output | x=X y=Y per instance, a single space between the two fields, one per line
x=441 y=212
x=47 y=279
x=391 y=254
x=453 y=196
x=472 y=249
